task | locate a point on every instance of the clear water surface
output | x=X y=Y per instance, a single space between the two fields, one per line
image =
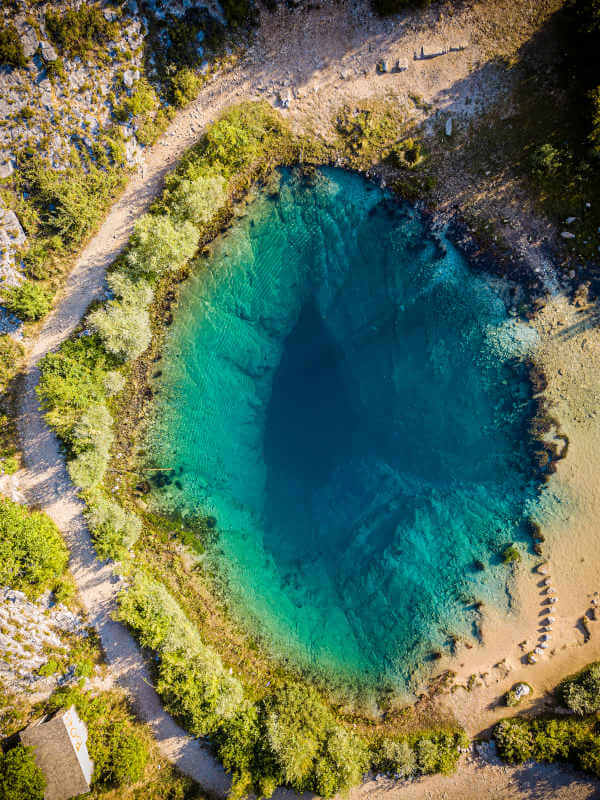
x=345 y=396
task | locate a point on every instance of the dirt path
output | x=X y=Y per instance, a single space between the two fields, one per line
x=280 y=58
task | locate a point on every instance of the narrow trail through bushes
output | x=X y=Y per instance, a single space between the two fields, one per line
x=45 y=482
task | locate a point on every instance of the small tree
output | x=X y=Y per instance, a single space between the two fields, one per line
x=158 y=244
x=200 y=199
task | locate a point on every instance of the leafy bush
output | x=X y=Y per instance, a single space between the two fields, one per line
x=32 y=552
x=514 y=740
x=395 y=758
x=115 y=530
x=198 y=200
x=113 y=383
x=439 y=752
x=11 y=49
x=11 y=354
x=581 y=692
x=92 y=438
x=28 y=301
x=511 y=554
x=546 y=160
x=72 y=379
x=123 y=325
x=192 y=680
x=185 y=85
x=158 y=244
x=70 y=203
x=20 y=777
x=143 y=101
x=290 y=738
x=568 y=739
x=77 y=31
x=197 y=690
x=246 y=132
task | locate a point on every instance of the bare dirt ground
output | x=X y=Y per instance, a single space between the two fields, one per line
x=324 y=57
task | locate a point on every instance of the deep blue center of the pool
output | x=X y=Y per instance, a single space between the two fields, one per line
x=344 y=395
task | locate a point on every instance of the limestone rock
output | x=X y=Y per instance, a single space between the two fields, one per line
x=28 y=37
x=48 y=52
x=130 y=77
x=448 y=128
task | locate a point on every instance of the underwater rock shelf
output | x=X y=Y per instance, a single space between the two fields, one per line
x=347 y=399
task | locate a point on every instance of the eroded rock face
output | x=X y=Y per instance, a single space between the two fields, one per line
x=30 y=634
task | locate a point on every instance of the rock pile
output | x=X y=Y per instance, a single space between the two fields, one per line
x=29 y=634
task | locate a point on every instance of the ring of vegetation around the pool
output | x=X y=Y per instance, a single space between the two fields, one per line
x=346 y=397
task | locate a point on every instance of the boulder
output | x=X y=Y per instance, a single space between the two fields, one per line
x=7 y=168
x=448 y=128
x=383 y=66
x=130 y=77
x=28 y=38
x=284 y=98
x=48 y=52
x=567 y=235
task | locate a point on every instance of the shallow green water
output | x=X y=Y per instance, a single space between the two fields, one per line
x=341 y=392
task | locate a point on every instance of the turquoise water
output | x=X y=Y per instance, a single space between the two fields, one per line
x=345 y=396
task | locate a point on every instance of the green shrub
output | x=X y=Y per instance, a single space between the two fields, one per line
x=55 y=70
x=439 y=752
x=65 y=589
x=115 y=530
x=511 y=554
x=72 y=379
x=92 y=437
x=395 y=758
x=581 y=692
x=245 y=133
x=185 y=85
x=143 y=100
x=32 y=552
x=29 y=300
x=11 y=49
x=69 y=203
x=200 y=199
x=20 y=777
x=196 y=689
x=514 y=740
x=309 y=750
x=192 y=680
x=77 y=31
x=123 y=324
x=158 y=245
x=113 y=383
x=11 y=354
x=546 y=160
x=51 y=667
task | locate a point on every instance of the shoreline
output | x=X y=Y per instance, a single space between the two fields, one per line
x=544 y=681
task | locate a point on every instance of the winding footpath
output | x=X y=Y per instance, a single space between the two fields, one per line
x=45 y=482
